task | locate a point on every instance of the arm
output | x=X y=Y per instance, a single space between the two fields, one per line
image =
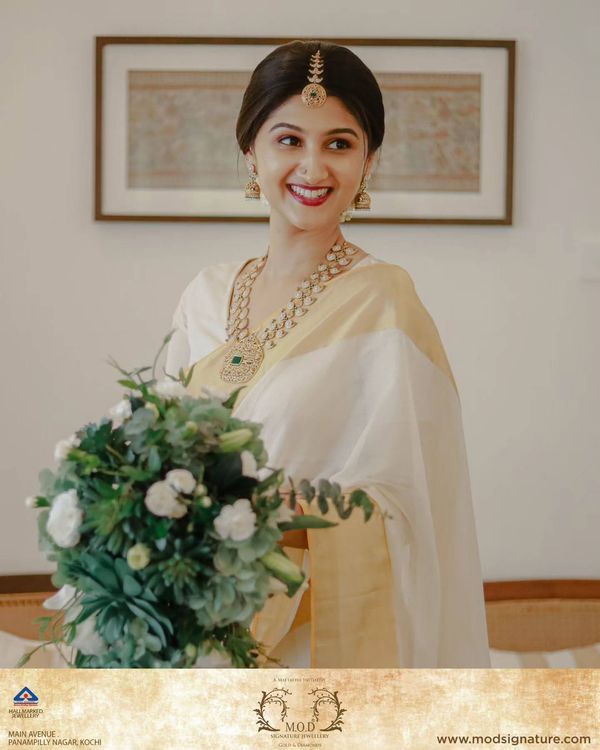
x=178 y=351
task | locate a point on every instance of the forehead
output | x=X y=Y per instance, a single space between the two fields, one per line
x=332 y=114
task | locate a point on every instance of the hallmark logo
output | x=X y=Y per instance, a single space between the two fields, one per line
x=25 y=697
x=25 y=705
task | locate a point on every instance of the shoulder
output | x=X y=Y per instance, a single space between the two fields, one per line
x=384 y=281
x=386 y=296
x=211 y=278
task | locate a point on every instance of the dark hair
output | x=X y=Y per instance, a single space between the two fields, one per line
x=283 y=73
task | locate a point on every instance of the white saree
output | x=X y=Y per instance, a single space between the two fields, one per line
x=360 y=393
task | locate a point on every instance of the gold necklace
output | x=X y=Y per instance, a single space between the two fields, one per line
x=243 y=358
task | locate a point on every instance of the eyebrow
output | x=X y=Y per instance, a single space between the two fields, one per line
x=300 y=130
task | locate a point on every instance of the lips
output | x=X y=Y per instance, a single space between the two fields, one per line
x=305 y=200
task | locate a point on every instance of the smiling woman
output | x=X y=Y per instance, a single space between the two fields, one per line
x=343 y=366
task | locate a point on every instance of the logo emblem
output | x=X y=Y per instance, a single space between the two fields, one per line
x=25 y=697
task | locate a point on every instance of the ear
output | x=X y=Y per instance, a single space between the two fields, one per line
x=368 y=164
x=250 y=158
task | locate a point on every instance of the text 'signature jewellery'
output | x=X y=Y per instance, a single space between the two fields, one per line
x=244 y=357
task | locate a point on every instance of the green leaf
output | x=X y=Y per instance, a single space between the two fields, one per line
x=128 y=383
x=113 y=629
x=359 y=498
x=273 y=480
x=131 y=587
x=323 y=504
x=122 y=569
x=154 y=460
x=154 y=624
x=141 y=421
x=146 y=607
x=307 y=522
x=307 y=489
x=325 y=487
x=230 y=402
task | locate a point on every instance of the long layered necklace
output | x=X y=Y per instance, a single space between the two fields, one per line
x=245 y=355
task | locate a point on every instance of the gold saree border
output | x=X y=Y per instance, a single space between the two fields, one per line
x=366 y=299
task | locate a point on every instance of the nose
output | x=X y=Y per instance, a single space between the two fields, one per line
x=312 y=168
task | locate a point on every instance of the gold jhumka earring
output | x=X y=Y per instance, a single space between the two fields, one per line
x=252 y=187
x=361 y=202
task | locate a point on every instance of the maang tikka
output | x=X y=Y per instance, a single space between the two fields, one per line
x=313 y=94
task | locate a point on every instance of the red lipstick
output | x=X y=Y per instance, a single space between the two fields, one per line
x=309 y=201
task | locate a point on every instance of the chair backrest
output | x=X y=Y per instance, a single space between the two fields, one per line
x=543 y=615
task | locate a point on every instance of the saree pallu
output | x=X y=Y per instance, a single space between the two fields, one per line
x=361 y=393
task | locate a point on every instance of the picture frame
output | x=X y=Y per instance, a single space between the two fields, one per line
x=165 y=147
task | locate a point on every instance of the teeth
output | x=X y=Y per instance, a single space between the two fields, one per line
x=309 y=193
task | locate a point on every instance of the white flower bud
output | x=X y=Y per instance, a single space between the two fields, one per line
x=62 y=448
x=121 y=411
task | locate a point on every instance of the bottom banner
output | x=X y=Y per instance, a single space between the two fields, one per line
x=264 y=709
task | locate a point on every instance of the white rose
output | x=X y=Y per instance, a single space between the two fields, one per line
x=87 y=640
x=161 y=499
x=62 y=448
x=248 y=464
x=215 y=659
x=120 y=411
x=237 y=521
x=64 y=519
x=169 y=389
x=138 y=556
x=31 y=501
x=181 y=480
x=214 y=393
x=61 y=598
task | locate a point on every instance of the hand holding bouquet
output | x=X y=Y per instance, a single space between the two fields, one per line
x=165 y=524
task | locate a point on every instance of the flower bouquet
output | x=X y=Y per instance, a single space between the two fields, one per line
x=164 y=522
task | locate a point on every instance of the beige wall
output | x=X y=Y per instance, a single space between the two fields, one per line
x=518 y=320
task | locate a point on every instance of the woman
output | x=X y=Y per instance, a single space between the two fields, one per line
x=345 y=369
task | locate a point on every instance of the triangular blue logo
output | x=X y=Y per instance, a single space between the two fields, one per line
x=25 y=697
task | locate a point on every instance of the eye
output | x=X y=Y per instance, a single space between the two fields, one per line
x=285 y=137
x=344 y=142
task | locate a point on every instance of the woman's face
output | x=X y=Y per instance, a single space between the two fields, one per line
x=299 y=148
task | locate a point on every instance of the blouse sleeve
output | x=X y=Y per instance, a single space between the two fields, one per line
x=178 y=351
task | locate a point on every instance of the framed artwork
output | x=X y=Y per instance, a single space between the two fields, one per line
x=166 y=109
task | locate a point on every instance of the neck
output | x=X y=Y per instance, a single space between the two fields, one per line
x=295 y=253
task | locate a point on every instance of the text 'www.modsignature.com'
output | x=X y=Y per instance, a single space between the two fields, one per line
x=514 y=739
